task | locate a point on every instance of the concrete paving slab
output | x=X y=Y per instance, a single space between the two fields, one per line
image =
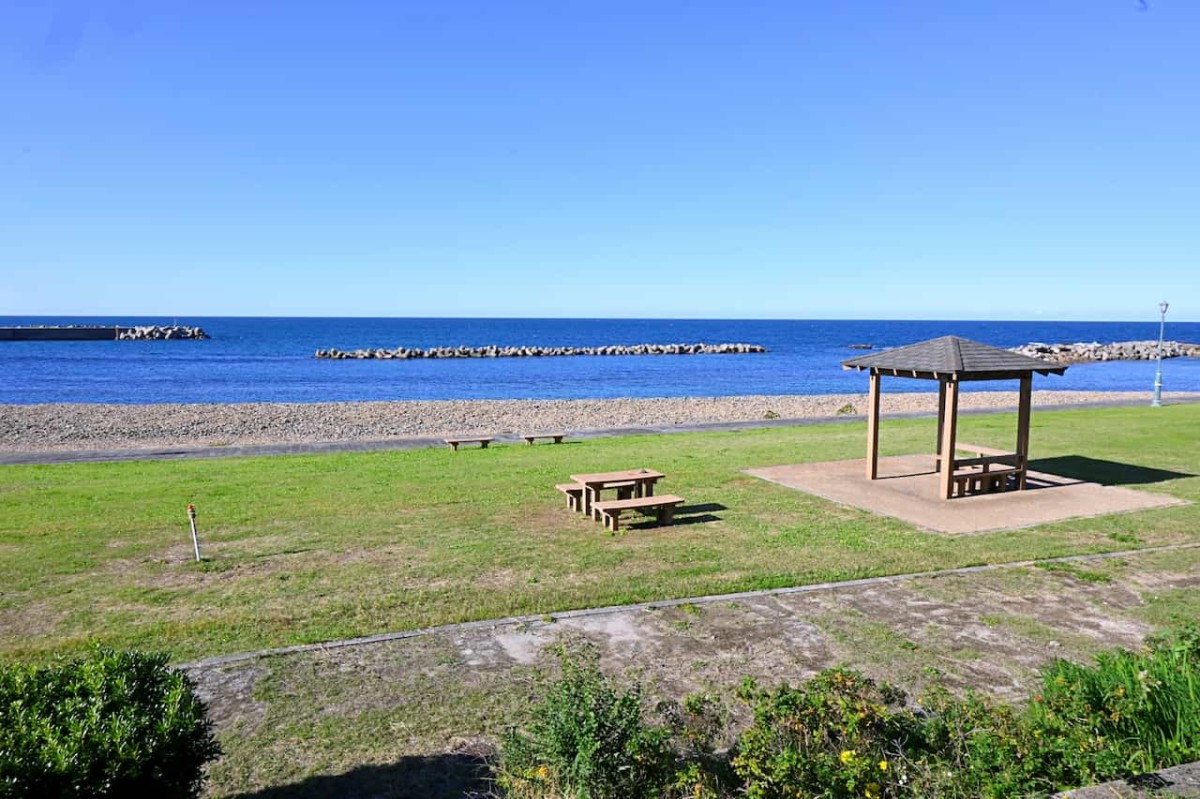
x=907 y=489
x=1181 y=782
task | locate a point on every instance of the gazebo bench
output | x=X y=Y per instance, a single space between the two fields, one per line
x=985 y=481
x=662 y=506
x=979 y=450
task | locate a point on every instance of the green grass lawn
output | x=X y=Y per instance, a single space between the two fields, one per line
x=311 y=548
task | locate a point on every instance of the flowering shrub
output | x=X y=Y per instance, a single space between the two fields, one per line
x=976 y=749
x=586 y=740
x=842 y=735
x=838 y=735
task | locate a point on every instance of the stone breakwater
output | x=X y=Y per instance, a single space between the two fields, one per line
x=401 y=353
x=1117 y=351
x=65 y=427
x=159 y=333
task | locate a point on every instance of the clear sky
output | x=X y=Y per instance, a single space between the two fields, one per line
x=996 y=159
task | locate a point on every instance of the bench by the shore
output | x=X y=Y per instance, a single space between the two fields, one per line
x=530 y=438
x=482 y=441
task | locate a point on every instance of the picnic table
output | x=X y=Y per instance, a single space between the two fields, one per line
x=643 y=484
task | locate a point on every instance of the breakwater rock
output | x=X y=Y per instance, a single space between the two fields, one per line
x=401 y=353
x=1081 y=352
x=159 y=333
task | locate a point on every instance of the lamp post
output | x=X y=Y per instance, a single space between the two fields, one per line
x=1162 y=324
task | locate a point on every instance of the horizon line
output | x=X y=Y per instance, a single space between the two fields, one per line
x=1146 y=320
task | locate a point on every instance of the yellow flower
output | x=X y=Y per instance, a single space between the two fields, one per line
x=543 y=773
x=883 y=765
x=872 y=790
x=847 y=756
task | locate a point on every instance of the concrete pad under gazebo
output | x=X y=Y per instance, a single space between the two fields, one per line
x=951 y=361
x=905 y=493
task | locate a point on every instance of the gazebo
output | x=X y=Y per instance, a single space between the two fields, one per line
x=951 y=360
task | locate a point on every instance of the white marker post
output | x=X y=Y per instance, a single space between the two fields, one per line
x=195 y=537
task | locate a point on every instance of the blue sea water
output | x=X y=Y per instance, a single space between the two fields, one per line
x=271 y=359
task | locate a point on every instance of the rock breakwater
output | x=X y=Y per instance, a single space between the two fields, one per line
x=1082 y=352
x=402 y=353
x=159 y=333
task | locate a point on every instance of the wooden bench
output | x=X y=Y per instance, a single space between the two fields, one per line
x=662 y=506
x=482 y=441
x=980 y=450
x=986 y=482
x=529 y=439
x=987 y=479
x=574 y=492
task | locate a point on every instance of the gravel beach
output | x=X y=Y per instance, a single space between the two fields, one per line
x=67 y=427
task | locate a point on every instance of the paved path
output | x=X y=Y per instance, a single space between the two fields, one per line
x=551 y=618
x=184 y=452
x=1182 y=782
x=990 y=628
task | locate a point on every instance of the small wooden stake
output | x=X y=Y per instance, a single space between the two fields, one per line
x=195 y=537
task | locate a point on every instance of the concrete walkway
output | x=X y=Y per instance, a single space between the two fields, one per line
x=866 y=583
x=1181 y=782
x=990 y=628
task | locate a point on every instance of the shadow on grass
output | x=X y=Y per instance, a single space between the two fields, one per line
x=685 y=514
x=707 y=507
x=1110 y=473
x=448 y=776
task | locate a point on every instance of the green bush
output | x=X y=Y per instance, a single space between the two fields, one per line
x=586 y=740
x=1130 y=713
x=111 y=724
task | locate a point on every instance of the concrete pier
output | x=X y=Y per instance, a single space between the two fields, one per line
x=101 y=333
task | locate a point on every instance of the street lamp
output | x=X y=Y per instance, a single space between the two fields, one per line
x=1162 y=323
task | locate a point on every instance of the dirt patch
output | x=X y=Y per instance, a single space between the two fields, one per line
x=228 y=693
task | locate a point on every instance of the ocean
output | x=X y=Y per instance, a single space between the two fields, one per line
x=271 y=359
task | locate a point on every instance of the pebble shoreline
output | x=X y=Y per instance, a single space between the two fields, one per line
x=67 y=427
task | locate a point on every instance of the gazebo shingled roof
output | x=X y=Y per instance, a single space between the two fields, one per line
x=951 y=355
x=951 y=360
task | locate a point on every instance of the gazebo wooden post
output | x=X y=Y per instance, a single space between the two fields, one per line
x=873 y=426
x=949 y=431
x=1024 y=411
x=941 y=421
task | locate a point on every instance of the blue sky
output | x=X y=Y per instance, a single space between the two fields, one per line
x=861 y=158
